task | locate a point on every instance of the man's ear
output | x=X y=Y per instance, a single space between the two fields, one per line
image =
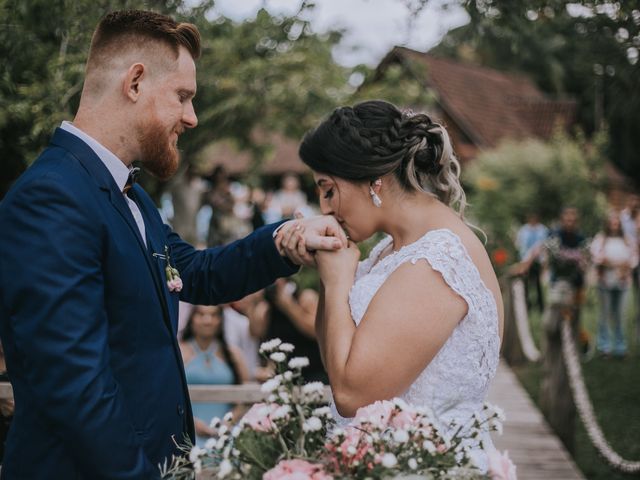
x=131 y=85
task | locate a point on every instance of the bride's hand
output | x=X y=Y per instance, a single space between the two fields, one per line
x=339 y=266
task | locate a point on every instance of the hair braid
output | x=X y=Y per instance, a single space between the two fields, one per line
x=374 y=138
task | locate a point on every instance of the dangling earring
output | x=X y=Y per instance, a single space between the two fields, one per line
x=374 y=196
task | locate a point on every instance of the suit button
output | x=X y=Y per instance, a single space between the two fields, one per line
x=180 y=410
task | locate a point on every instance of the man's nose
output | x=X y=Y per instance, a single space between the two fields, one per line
x=189 y=117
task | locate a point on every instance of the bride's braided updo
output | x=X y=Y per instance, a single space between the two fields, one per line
x=374 y=138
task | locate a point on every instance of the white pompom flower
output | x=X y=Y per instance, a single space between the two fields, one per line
x=286 y=347
x=278 y=357
x=312 y=424
x=270 y=385
x=298 y=362
x=389 y=460
x=269 y=345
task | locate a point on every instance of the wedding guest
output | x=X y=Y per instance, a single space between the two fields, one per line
x=529 y=236
x=244 y=322
x=290 y=198
x=187 y=194
x=291 y=318
x=209 y=360
x=615 y=257
x=221 y=201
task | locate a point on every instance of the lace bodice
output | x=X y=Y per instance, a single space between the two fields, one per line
x=454 y=385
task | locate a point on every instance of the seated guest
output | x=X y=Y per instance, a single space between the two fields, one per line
x=209 y=360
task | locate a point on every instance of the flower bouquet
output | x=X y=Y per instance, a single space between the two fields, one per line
x=294 y=436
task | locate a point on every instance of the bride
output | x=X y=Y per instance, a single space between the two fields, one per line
x=421 y=318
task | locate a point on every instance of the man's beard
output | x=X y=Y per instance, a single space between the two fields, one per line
x=158 y=154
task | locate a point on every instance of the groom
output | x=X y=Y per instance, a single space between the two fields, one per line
x=90 y=278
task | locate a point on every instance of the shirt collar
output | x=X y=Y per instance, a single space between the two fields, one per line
x=118 y=170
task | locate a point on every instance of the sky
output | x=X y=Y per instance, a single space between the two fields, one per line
x=372 y=27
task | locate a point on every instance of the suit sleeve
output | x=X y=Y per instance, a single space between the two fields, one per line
x=227 y=273
x=53 y=285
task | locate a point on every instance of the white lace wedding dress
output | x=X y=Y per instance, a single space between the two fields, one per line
x=454 y=385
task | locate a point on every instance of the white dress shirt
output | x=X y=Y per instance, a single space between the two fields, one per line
x=118 y=170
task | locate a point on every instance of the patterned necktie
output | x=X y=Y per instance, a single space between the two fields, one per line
x=131 y=180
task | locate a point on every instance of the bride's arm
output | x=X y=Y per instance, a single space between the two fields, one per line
x=407 y=322
x=319 y=325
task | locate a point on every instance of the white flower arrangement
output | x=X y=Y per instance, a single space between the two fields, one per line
x=294 y=436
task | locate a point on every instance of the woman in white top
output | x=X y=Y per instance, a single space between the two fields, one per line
x=615 y=257
x=421 y=318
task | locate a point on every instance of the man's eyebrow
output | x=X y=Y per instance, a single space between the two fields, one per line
x=187 y=92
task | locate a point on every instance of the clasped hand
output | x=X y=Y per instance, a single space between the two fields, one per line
x=319 y=241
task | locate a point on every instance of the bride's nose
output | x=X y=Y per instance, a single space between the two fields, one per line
x=325 y=207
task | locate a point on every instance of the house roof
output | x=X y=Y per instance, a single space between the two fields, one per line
x=282 y=157
x=486 y=104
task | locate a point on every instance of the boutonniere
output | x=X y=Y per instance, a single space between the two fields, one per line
x=174 y=282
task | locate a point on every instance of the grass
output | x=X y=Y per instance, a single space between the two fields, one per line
x=614 y=389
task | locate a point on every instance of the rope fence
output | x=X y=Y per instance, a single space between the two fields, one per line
x=521 y=315
x=585 y=407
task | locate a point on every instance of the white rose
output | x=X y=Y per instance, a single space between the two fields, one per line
x=286 y=347
x=412 y=463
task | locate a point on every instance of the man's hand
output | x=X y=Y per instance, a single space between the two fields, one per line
x=299 y=238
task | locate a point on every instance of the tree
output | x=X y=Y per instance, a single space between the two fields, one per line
x=268 y=73
x=42 y=64
x=544 y=178
x=587 y=50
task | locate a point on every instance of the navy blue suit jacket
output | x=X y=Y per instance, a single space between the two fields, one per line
x=87 y=322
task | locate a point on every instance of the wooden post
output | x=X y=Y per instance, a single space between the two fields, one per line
x=511 y=347
x=556 y=401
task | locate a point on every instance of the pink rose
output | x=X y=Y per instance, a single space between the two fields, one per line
x=258 y=417
x=296 y=470
x=500 y=466
x=378 y=413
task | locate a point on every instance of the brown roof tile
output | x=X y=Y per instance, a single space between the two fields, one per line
x=486 y=104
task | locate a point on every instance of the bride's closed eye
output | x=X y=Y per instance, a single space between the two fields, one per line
x=329 y=193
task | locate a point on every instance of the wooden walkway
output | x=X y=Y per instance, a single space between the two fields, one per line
x=537 y=453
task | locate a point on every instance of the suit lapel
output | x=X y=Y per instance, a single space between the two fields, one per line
x=158 y=264
x=99 y=172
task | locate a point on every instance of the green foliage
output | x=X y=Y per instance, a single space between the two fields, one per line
x=43 y=47
x=532 y=176
x=269 y=73
x=402 y=85
x=588 y=56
